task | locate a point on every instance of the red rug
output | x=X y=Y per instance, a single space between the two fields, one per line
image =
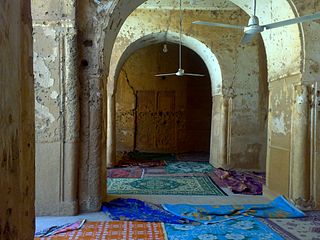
x=114 y=230
x=131 y=172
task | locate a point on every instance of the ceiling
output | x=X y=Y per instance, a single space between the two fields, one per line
x=190 y=4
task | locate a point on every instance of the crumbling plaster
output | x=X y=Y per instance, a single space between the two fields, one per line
x=176 y=116
x=240 y=82
x=289 y=51
x=56 y=106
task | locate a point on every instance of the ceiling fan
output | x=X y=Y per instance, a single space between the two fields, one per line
x=253 y=25
x=180 y=71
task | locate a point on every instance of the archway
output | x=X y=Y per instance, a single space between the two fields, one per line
x=163 y=114
x=279 y=40
x=198 y=47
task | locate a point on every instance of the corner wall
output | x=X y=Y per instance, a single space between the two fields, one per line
x=56 y=107
x=16 y=122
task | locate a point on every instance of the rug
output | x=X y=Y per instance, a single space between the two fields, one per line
x=164 y=186
x=250 y=183
x=114 y=230
x=193 y=157
x=278 y=208
x=60 y=229
x=140 y=163
x=150 y=156
x=188 y=167
x=244 y=228
x=298 y=228
x=136 y=210
x=132 y=172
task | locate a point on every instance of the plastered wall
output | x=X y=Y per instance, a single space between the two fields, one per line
x=290 y=52
x=16 y=122
x=181 y=114
x=244 y=83
x=56 y=106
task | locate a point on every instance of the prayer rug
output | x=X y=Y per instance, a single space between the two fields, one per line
x=114 y=230
x=132 y=172
x=278 y=208
x=188 y=167
x=60 y=229
x=298 y=228
x=140 y=163
x=150 y=156
x=250 y=183
x=135 y=210
x=164 y=186
x=193 y=157
x=242 y=228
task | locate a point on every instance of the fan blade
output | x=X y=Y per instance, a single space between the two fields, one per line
x=293 y=21
x=213 y=24
x=165 y=74
x=247 y=38
x=194 y=74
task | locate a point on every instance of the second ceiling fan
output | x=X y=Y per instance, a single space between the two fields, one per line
x=254 y=28
x=180 y=71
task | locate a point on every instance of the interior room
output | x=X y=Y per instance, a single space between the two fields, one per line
x=160 y=120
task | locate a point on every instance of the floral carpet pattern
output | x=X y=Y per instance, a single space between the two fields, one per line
x=164 y=186
x=278 y=208
x=298 y=228
x=238 y=229
x=188 y=167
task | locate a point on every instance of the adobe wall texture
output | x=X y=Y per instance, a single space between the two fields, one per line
x=74 y=44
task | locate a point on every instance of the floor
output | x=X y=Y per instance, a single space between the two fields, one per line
x=48 y=221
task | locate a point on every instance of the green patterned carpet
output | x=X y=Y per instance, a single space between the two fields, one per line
x=188 y=167
x=164 y=186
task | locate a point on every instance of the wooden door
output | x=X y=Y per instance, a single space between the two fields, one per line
x=155 y=124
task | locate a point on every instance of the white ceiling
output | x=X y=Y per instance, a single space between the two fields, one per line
x=190 y=4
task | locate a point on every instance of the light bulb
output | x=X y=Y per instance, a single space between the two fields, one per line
x=165 y=48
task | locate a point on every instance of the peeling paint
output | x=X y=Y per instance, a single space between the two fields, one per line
x=54 y=95
x=42 y=72
x=279 y=125
x=43 y=113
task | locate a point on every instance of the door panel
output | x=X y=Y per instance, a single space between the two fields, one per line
x=155 y=125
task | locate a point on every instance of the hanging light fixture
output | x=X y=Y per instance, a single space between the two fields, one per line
x=165 y=48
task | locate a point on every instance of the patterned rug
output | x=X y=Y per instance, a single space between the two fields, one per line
x=164 y=186
x=243 y=228
x=150 y=156
x=114 y=230
x=278 y=208
x=140 y=163
x=193 y=157
x=188 y=167
x=298 y=228
x=132 y=172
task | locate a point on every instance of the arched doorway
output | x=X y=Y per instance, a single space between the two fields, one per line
x=163 y=114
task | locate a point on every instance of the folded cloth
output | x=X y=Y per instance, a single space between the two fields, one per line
x=60 y=229
x=135 y=210
x=278 y=208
